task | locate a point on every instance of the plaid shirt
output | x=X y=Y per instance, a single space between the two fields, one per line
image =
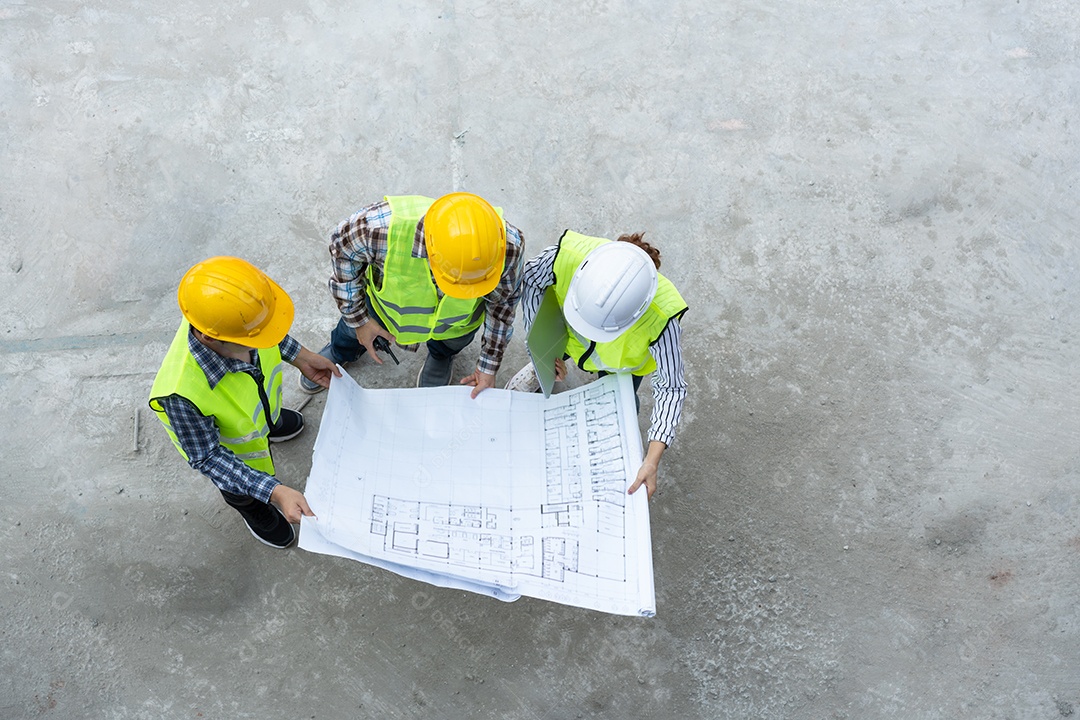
x=198 y=434
x=361 y=241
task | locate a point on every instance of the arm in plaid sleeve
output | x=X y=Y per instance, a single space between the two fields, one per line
x=358 y=242
x=289 y=348
x=198 y=436
x=501 y=304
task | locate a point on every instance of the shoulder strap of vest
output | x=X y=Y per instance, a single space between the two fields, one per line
x=408 y=207
x=676 y=316
x=555 y=260
x=673 y=305
x=580 y=362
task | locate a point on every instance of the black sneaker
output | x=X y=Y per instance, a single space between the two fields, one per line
x=290 y=424
x=435 y=372
x=268 y=525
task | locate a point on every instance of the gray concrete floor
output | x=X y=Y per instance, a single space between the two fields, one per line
x=871 y=509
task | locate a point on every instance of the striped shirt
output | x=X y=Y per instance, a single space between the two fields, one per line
x=669 y=383
x=198 y=435
x=361 y=241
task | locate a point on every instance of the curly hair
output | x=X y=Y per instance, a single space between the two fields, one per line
x=637 y=239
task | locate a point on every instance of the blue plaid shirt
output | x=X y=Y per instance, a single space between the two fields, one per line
x=198 y=434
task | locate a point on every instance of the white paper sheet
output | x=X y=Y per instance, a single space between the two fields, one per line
x=509 y=494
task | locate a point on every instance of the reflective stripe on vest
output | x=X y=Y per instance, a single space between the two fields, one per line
x=233 y=403
x=407 y=299
x=253 y=455
x=246 y=438
x=630 y=351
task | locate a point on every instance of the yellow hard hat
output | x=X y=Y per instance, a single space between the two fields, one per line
x=466 y=245
x=230 y=299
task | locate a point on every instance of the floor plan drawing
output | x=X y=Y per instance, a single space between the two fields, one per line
x=509 y=494
x=462 y=535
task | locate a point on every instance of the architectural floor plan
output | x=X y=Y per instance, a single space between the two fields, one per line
x=509 y=494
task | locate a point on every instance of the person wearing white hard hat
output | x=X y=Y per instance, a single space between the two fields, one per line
x=622 y=316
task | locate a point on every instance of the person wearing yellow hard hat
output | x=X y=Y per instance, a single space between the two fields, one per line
x=412 y=269
x=218 y=391
x=621 y=316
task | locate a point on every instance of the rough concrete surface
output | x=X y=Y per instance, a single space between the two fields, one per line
x=871 y=509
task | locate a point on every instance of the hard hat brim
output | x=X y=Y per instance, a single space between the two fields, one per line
x=470 y=291
x=586 y=329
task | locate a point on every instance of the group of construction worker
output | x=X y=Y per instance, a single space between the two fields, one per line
x=409 y=270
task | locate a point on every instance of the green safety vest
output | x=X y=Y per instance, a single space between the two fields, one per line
x=234 y=402
x=405 y=296
x=630 y=351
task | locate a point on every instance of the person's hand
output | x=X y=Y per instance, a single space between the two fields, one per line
x=646 y=475
x=292 y=503
x=480 y=381
x=366 y=334
x=560 y=369
x=315 y=367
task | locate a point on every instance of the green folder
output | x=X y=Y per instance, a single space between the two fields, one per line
x=547 y=340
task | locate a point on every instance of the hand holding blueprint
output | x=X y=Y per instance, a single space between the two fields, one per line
x=509 y=494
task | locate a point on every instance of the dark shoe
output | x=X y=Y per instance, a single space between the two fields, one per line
x=435 y=372
x=268 y=525
x=290 y=424
x=311 y=387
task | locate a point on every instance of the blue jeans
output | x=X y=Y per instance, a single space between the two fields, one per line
x=346 y=348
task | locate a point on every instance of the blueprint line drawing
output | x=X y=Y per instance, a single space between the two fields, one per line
x=507 y=494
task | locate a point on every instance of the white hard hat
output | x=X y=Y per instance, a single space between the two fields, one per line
x=610 y=290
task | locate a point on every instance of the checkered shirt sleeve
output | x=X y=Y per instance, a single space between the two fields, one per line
x=358 y=242
x=200 y=440
x=289 y=348
x=502 y=305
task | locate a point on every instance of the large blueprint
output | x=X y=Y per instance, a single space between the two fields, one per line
x=509 y=494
